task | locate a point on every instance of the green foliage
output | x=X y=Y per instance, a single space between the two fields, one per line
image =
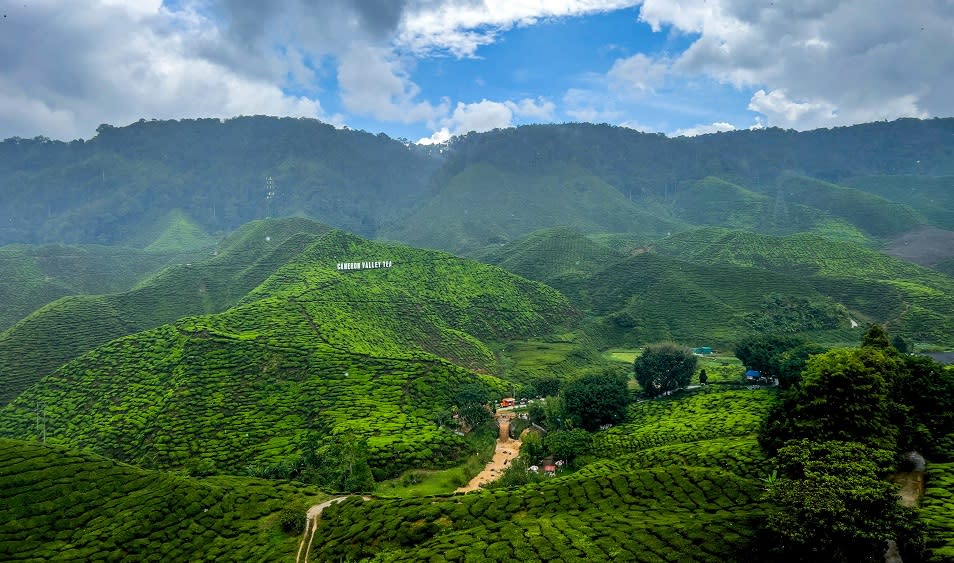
x=915 y=301
x=704 y=414
x=64 y=504
x=937 y=511
x=595 y=399
x=73 y=325
x=761 y=352
x=546 y=386
x=567 y=445
x=835 y=505
x=664 y=367
x=293 y=517
x=923 y=394
x=876 y=337
x=844 y=395
x=690 y=514
x=786 y=314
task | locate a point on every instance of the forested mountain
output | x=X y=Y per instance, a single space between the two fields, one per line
x=110 y=188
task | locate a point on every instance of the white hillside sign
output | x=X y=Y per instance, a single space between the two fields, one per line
x=348 y=266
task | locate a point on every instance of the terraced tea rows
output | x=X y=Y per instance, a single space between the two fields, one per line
x=705 y=414
x=219 y=403
x=66 y=328
x=739 y=456
x=61 y=504
x=659 y=514
x=937 y=511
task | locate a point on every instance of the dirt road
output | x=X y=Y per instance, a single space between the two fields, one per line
x=505 y=452
x=311 y=525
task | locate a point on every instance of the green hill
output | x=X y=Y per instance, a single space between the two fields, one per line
x=312 y=350
x=714 y=201
x=931 y=196
x=485 y=205
x=72 y=325
x=870 y=213
x=548 y=255
x=652 y=297
x=33 y=276
x=64 y=504
x=178 y=233
x=913 y=300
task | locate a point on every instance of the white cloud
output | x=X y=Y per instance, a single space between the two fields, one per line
x=704 y=129
x=487 y=115
x=783 y=112
x=440 y=136
x=637 y=75
x=462 y=26
x=539 y=109
x=91 y=62
x=820 y=63
x=374 y=83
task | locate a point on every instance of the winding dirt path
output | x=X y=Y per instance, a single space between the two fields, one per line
x=311 y=526
x=505 y=452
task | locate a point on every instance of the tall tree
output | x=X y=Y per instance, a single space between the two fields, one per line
x=595 y=399
x=664 y=367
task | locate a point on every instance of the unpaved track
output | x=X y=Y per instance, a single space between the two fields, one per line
x=311 y=525
x=505 y=452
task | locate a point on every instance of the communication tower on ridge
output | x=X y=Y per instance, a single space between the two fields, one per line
x=271 y=191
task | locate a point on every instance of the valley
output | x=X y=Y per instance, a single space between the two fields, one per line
x=178 y=383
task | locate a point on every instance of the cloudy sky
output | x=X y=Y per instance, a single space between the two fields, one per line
x=428 y=69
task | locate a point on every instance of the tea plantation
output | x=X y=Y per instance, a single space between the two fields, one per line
x=310 y=351
x=688 y=513
x=937 y=510
x=66 y=328
x=66 y=504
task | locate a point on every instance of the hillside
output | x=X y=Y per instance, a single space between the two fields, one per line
x=931 y=196
x=36 y=275
x=912 y=300
x=485 y=205
x=699 y=501
x=311 y=351
x=65 y=328
x=66 y=504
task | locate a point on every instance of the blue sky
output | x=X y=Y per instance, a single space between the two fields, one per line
x=428 y=69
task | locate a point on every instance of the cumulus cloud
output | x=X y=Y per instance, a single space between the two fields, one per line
x=704 y=129
x=487 y=115
x=374 y=83
x=820 y=63
x=637 y=75
x=460 y=27
x=90 y=62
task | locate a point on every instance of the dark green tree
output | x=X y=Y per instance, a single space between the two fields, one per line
x=844 y=395
x=835 y=505
x=546 y=386
x=760 y=352
x=875 y=337
x=473 y=405
x=664 y=367
x=595 y=399
x=787 y=365
x=924 y=400
x=568 y=444
x=901 y=344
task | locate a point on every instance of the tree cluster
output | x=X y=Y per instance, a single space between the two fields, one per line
x=664 y=367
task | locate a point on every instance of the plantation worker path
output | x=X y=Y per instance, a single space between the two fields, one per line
x=505 y=452
x=311 y=526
